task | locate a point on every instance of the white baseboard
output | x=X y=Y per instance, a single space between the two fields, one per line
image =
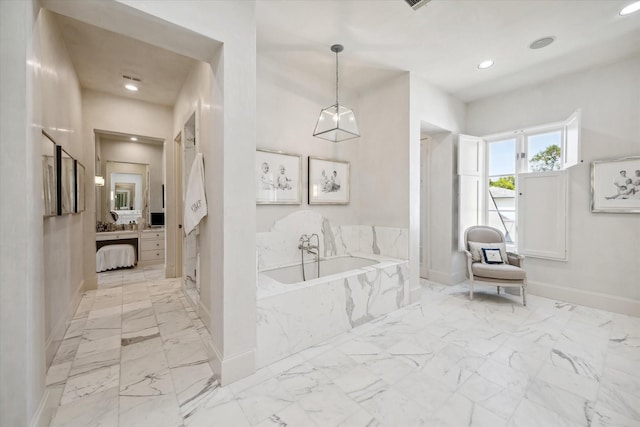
x=588 y=298
x=233 y=368
x=445 y=277
x=169 y=270
x=42 y=417
x=415 y=294
x=204 y=314
x=47 y=407
x=91 y=283
x=58 y=331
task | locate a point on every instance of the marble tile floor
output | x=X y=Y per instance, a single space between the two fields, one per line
x=134 y=355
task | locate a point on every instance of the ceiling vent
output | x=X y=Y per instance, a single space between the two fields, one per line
x=416 y=4
x=131 y=77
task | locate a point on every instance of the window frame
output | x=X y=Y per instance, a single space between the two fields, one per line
x=570 y=134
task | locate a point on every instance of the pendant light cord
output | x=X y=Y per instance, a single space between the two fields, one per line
x=337 y=78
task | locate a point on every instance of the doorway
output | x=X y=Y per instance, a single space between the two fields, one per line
x=434 y=176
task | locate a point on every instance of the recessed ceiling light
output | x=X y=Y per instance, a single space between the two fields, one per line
x=633 y=7
x=131 y=87
x=133 y=138
x=543 y=42
x=485 y=64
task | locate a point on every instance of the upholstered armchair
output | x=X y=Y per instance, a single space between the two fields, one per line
x=488 y=261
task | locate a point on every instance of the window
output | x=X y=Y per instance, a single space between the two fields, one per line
x=543 y=151
x=501 y=174
x=516 y=182
x=529 y=151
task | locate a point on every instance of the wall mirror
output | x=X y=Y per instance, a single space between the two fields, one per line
x=132 y=167
x=127 y=190
x=49 y=176
x=67 y=188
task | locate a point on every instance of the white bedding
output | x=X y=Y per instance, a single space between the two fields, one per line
x=115 y=256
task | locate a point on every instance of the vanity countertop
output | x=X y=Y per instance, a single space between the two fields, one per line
x=102 y=235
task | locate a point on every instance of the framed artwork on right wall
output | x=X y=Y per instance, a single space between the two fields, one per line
x=615 y=185
x=329 y=181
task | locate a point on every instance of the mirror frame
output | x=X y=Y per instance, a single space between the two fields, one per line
x=80 y=199
x=49 y=177
x=67 y=164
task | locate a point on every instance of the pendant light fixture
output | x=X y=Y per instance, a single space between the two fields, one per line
x=336 y=123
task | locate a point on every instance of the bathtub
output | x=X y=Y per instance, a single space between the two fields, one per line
x=328 y=267
x=352 y=290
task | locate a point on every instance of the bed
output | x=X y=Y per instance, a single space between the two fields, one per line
x=115 y=256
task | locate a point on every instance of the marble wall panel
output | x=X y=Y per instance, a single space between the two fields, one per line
x=279 y=246
x=347 y=239
x=388 y=241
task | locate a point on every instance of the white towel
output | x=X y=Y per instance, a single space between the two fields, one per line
x=195 y=203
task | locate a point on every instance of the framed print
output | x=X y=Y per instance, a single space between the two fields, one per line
x=278 y=178
x=49 y=176
x=79 y=187
x=66 y=182
x=615 y=185
x=329 y=181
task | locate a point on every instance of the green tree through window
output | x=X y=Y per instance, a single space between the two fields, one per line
x=546 y=160
x=508 y=182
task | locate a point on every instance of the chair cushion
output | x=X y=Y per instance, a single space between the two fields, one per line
x=497 y=271
x=476 y=250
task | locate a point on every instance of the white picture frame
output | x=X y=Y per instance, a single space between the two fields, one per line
x=329 y=181
x=610 y=188
x=278 y=178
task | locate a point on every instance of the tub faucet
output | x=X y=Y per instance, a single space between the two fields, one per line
x=305 y=245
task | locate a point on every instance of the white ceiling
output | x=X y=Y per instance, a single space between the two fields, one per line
x=442 y=42
x=100 y=57
x=445 y=40
x=110 y=136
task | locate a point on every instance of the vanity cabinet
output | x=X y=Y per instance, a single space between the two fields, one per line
x=148 y=244
x=119 y=238
x=152 y=246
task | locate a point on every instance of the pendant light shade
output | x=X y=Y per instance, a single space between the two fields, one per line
x=337 y=122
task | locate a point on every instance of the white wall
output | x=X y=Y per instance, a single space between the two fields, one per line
x=201 y=95
x=227 y=244
x=288 y=105
x=385 y=160
x=40 y=284
x=383 y=155
x=22 y=347
x=61 y=117
x=435 y=108
x=603 y=248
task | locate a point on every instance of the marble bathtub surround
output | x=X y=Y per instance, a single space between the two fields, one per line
x=293 y=317
x=442 y=361
x=279 y=246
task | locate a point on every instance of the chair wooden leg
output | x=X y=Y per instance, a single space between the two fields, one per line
x=524 y=296
x=471 y=291
x=498 y=289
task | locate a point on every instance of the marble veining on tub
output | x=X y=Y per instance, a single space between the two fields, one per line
x=289 y=312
